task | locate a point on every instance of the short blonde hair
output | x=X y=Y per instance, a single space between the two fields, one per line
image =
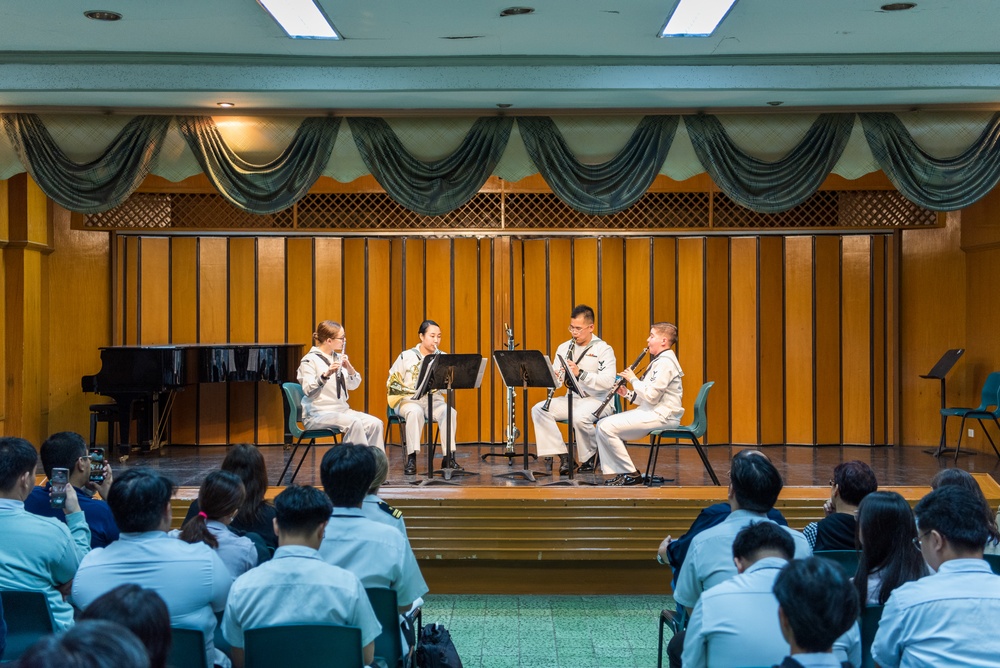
x=381 y=469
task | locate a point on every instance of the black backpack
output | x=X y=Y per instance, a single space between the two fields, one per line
x=435 y=648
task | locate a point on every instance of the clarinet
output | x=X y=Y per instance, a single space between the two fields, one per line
x=619 y=382
x=512 y=431
x=552 y=390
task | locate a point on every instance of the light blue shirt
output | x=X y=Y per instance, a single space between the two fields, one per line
x=190 y=578
x=377 y=553
x=951 y=618
x=298 y=587
x=238 y=553
x=39 y=553
x=736 y=624
x=709 y=560
x=374 y=511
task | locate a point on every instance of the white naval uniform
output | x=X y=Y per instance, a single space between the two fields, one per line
x=403 y=375
x=322 y=408
x=597 y=375
x=658 y=396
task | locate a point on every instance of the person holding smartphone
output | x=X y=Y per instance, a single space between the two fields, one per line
x=89 y=474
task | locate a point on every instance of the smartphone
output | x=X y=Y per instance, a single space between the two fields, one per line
x=97 y=466
x=59 y=480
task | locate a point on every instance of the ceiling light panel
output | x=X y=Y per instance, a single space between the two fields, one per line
x=301 y=19
x=696 y=18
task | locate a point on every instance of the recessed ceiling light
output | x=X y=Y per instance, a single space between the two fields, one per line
x=517 y=11
x=102 y=15
x=696 y=18
x=225 y=105
x=301 y=19
x=775 y=103
x=898 y=6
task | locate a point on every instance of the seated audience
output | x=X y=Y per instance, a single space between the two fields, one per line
x=735 y=623
x=89 y=644
x=886 y=530
x=964 y=479
x=816 y=605
x=68 y=450
x=190 y=578
x=37 y=553
x=852 y=481
x=297 y=586
x=375 y=508
x=378 y=554
x=219 y=498
x=951 y=618
x=142 y=612
x=256 y=516
x=3 y=631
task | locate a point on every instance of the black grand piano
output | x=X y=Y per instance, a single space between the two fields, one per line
x=143 y=379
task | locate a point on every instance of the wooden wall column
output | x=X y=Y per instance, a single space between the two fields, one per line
x=29 y=235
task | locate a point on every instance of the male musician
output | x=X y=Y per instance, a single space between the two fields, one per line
x=658 y=394
x=592 y=362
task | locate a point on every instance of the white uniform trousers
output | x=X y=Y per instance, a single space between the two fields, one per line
x=415 y=414
x=613 y=430
x=548 y=438
x=356 y=427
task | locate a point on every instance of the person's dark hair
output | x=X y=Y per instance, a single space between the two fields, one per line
x=763 y=535
x=88 y=644
x=425 y=325
x=220 y=495
x=818 y=601
x=247 y=462
x=17 y=457
x=301 y=508
x=955 y=513
x=855 y=480
x=756 y=482
x=585 y=311
x=963 y=478
x=347 y=472
x=137 y=499
x=62 y=451
x=885 y=533
x=142 y=612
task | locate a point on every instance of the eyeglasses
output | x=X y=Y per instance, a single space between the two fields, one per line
x=917 y=540
x=577 y=330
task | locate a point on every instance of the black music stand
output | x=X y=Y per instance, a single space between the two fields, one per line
x=939 y=372
x=512 y=431
x=572 y=387
x=527 y=368
x=449 y=373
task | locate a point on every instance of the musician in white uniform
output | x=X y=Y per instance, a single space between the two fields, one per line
x=658 y=395
x=326 y=375
x=592 y=362
x=401 y=386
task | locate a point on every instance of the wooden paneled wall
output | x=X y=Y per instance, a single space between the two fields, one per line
x=797 y=331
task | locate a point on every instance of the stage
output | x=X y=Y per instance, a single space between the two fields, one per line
x=491 y=534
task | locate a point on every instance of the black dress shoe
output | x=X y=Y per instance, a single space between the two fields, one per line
x=625 y=480
x=564 y=464
x=587 y=466
x=410 y=468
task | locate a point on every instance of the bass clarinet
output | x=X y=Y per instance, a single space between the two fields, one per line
x=619 y=382
x=552 y=390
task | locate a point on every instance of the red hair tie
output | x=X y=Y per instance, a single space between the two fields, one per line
x=200 y=514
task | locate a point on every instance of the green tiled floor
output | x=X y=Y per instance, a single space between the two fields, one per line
x=551 y=631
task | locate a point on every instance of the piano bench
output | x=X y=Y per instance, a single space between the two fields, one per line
x=104 y=413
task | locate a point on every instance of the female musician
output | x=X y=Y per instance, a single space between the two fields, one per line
x=326 y=375
x=402 y=384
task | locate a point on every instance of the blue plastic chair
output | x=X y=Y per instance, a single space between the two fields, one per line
x=28 y=619
x=990 y=399
x=187 y=649
x=871 y=615
x=846 y=559
x=293 y=402
x=314 y=646
x=693 y=431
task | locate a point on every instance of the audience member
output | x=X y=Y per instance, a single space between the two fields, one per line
x=142 y=612
x=375 y=508
x=951 y=618
x=256 y=516
x=852 y=481
x=964 y=479
x=37 y=553
x=89 y=644
x=816 y=605
x=297 y=586
x=378 y=554
x=3 y=631
x=191 y=578
x=886 y=530
x=68 y=450
x=219 y=498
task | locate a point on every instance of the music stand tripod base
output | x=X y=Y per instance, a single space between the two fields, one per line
x=524 y=369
